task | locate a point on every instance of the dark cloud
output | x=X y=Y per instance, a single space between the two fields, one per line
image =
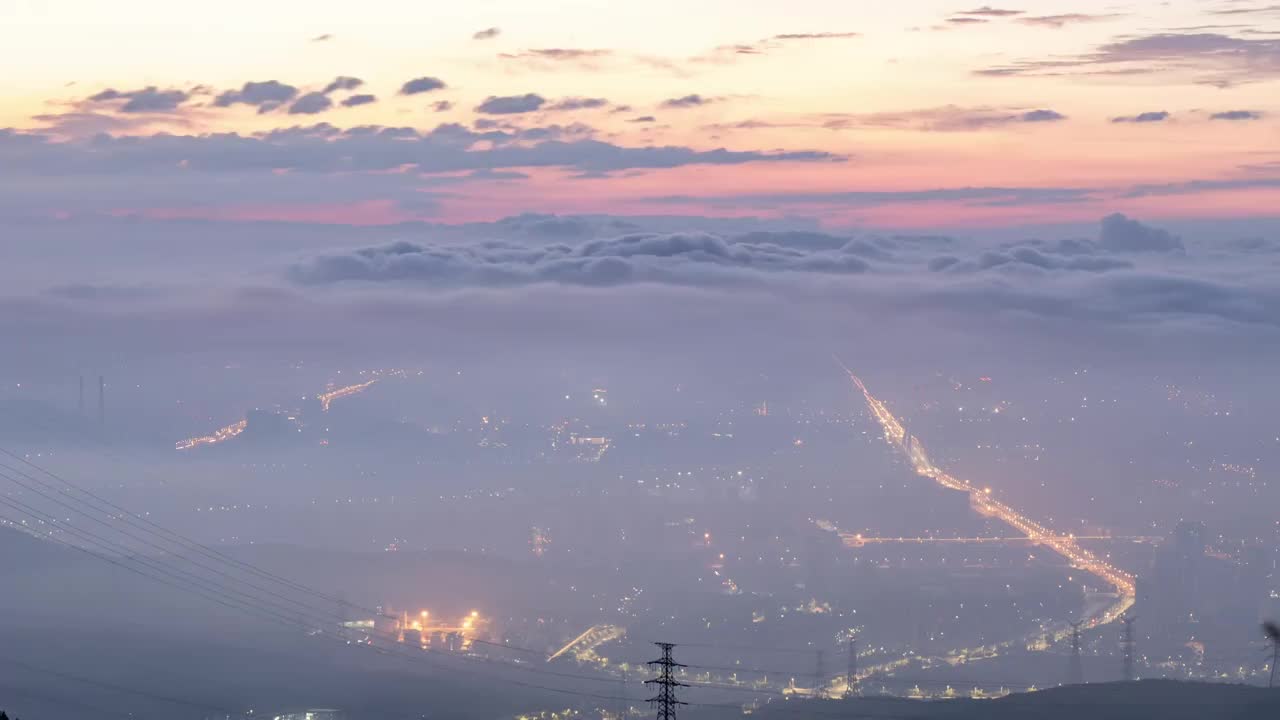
x=266 y=95
x=1121 y=234
x=310 y=165
x=422 y=85
x=511 y=104
x=342 y=82
x=967 y=20
x=643 y=119
x=1036 y=116
x=686 y=101
x=310 y=104
x=441 y=106
x=146 y=100
x=578 y=103
x=358 y=100
x=1153 y=116
x=1237 y=115
x=486 y=34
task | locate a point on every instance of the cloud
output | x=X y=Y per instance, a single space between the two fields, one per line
x=1145 y=117
x=358 y=100
x=1038 y=116
x=310 y=104
x=560 y=54
x=326 y=37
x=86 y=124
x=1237 y=115
x=643 y=119
x=422 y=85
x=578 y=103
x=1121 y=234
x=988 y=11
x=976 y=196
x=441 y=106
x=1263 y=9
x=1058 y=22
x=486 y=34
x=342 y=82
x=817 y=36
x=949 y=118
x=266 y=95
x=310 y=166
x=686 y=101
x=511 y=104
x=146 y=100
x=673 y=258
x=555 y=58
x=1211 y=58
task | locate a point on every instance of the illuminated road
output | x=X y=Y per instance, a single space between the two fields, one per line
x=218 y=436
x=983 y=501
x=856 y=540
x=1067 y=546
x=327 y=397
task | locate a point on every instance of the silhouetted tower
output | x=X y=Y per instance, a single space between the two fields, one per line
x=665 y=701
x=102 y=402
x=622 y=696
x=344 y=614
x=1127 y=645
x=851 y=676
x=819 y=675
x=1075 y=673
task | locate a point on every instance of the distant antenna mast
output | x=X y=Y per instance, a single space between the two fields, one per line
x=1127 y=644
x=665 y=701
x=819 y=673
x=1075 y=675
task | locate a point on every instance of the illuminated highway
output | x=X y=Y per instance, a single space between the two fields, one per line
x=218 y=436
x=327 y=397
x=983 y=502
x=856 y=540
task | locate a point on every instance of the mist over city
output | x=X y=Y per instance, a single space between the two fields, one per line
x=576 y=361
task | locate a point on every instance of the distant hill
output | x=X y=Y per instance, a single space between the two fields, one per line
x=1162 y=699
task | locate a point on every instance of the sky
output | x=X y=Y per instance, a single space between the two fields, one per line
x=857 y=114
x=593 y=184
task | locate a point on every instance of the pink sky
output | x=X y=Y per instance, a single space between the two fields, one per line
x=1088 y=97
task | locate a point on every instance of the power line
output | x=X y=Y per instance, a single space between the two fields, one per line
x=118 y=688
x=118 y=555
